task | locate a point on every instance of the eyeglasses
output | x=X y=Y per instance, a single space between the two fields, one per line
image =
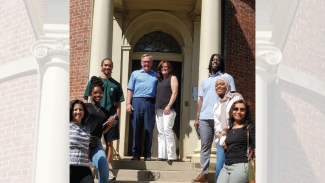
x=241 y=109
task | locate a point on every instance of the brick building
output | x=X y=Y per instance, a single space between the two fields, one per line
x=29 y=48
x=290 y=90
x=196 y=29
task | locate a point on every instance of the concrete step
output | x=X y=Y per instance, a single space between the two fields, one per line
x=157 y=175
x=159 y=165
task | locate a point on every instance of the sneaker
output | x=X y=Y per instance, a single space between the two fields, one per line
x=147 y=159
x=135 y=159
x=111 y=176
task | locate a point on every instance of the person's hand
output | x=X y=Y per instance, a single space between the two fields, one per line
x=224 y=146
x=129 y=108
x=111 y=120
x=197 y=123
x=167 y=110
x=219 y=135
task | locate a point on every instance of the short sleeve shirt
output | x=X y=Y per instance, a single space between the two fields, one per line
x=112 y=94
x=143 y=84
x=210 y=97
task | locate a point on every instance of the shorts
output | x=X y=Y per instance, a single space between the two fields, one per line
x=113 y=133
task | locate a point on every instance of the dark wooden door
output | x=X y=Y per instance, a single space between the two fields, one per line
x=177 y=71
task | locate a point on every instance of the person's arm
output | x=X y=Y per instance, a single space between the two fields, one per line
x=174 y=86
x=129 y=106
x=86 y=94
x=217 y=122
x=118 y=109
x=198 y=110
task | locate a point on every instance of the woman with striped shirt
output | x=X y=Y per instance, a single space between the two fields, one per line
x=79 y=142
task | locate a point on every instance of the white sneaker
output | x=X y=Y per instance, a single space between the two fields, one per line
x=111 y=176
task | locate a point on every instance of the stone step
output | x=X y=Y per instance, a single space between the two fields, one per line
x=157 y=175
x=159 y=165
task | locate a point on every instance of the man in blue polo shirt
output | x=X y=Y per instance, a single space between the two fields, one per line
x=204 y=113
x=140 y=103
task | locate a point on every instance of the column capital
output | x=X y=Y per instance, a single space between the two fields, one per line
x=120 y=14
x=44 y=48
x=267 y=60
x=126 y=47
x=194 y=16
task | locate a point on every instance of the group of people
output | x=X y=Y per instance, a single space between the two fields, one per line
x=223 y=113
x=151 y=98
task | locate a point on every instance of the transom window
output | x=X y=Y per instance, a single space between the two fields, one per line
x=157 y=42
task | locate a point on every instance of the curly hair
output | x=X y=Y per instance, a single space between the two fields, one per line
x=95 y=81
x=247 y=119
x=72 y=104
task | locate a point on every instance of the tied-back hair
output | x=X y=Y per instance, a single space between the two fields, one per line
x=170 y=68
x=95 y=81
x=221 y=66
x=72 y=104
x=247 y=119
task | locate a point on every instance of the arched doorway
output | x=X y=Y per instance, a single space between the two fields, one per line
x=161 y=46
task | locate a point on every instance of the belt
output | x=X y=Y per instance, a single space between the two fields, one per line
x=147 y=98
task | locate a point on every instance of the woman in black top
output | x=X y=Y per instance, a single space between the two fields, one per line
x=99 y=122
x=166 y=94
x=236 y=164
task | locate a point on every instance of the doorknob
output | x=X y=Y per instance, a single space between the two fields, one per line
x=186 y=103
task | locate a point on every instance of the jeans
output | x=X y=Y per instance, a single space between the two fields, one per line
x=220 y=159
x=98 y=158
x=166 y=140
x=235 y=173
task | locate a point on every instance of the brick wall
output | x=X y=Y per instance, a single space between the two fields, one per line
x=16 y=32
x=300 y=111
x=240 y=57
x=80 y=21
x=306 y=41
x=18 y=103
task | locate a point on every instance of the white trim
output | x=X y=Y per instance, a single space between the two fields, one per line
x=301 y=79
x=18 y=67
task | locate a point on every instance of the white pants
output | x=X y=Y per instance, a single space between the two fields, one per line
x=166 y=139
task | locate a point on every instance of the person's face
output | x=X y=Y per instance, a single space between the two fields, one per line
x=97 y=94
x=146 y=63
x=107 y=67
x=220 y=87
x=215 y=62
x=164 y=69
x=239 y=111
x=77 y=113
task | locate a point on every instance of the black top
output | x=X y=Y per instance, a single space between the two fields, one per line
x=163 y=94
x=236 y=142
x=96 y=119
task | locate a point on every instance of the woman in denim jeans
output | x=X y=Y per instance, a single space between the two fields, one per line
x=236 y=145
x=99 y=122
x=220 y=113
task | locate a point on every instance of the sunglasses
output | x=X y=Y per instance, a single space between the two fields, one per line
x=241 y=109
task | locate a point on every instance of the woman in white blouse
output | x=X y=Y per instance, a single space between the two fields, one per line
x=221 y=116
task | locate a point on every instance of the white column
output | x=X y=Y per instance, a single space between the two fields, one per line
x=101 y=35
x=117 y=43
x=52 y=154
x=210 y=41
x=267 y=59
x=124 y=122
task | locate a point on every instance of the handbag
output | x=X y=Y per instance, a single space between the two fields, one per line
x=94 y=141
x=251 y=161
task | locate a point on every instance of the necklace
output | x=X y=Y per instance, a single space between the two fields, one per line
x=97 y=109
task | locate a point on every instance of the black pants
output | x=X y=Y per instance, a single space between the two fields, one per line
x=80 y=174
